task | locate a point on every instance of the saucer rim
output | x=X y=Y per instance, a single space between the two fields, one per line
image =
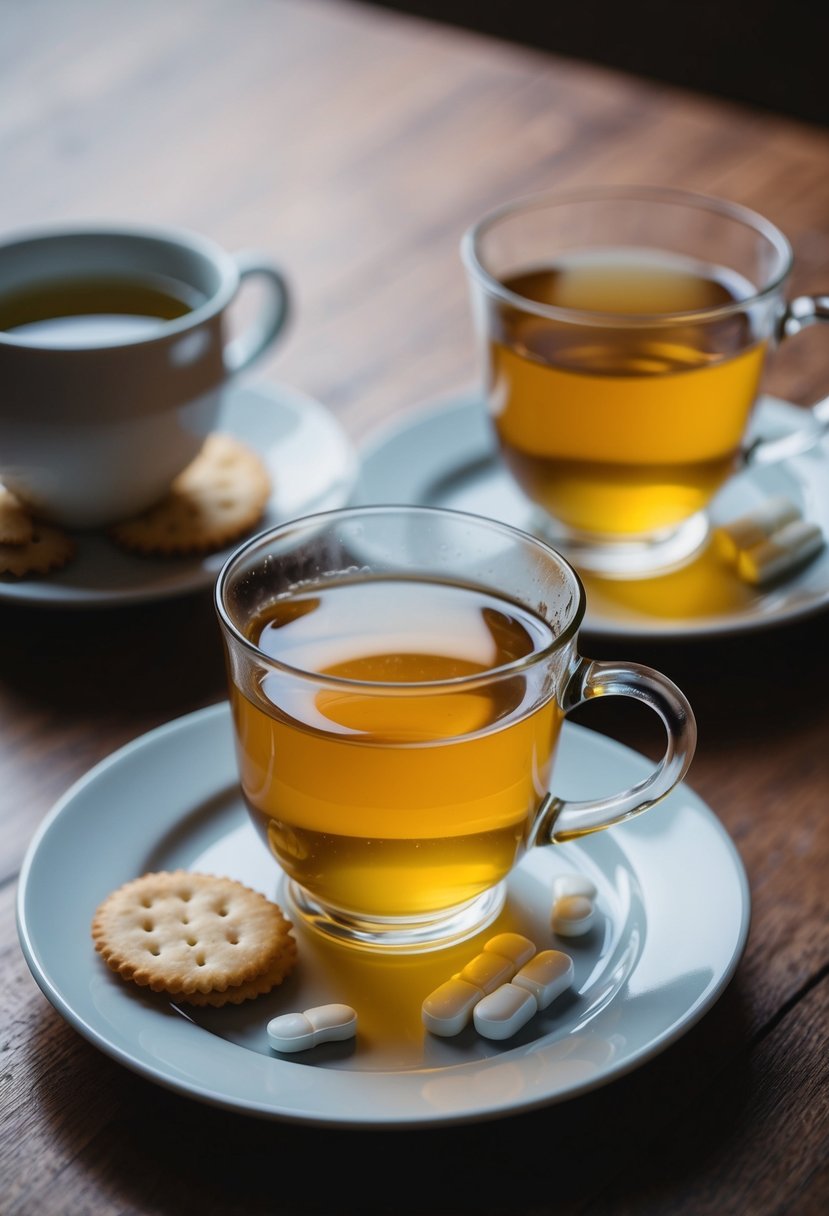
x=772 y=416
x=192 y=758
x=163 y=578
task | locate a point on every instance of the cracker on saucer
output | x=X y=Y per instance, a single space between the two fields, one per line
x=235 y=994
x=47 y=549
x=218 y=498
x=198 y=937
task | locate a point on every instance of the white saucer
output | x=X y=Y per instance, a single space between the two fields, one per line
x=672 y=921
x=313 y=468
x=444 y=455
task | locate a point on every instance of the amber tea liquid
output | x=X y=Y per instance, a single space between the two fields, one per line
x=391 y=795
x=623 y=430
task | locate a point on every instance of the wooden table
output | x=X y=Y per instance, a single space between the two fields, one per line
x=355 y=146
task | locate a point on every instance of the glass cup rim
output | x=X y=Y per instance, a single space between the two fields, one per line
x=389 y=687
x=545 y=199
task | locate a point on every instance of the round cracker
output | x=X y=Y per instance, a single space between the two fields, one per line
x=47 y=549
x=235 y=994
x=217 y=499
x=181 y=932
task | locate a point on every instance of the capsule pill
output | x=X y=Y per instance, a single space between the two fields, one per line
x=511 y=945
x=546 y=976
x=450 y=1007
x=487 y=971
x=754 y=526
x=573 y=915
x=503 y=1012
x=322 y=1024
x=784 y=550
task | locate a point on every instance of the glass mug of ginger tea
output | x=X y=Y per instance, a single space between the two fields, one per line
x=398 y=678
x=624 y=333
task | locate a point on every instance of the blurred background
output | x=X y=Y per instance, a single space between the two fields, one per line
x=331 y=140
x=768 y=53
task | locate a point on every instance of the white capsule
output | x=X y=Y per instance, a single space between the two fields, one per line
x=546 y=976
x=502 y=1013
x=574 y=884
x=448 y=1009
x=332 y=1022
x=572 y=915
x=754 y=527
x=322 y=1024
x=498 y=962
x=488 y=970
x=290 y=1032
x=513 y=946
x=783 y=551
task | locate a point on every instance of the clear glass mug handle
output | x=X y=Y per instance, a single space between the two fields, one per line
x=271 y=318
x=799 y=314
x=561 y=819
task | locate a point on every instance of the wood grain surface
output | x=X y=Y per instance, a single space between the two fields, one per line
x=355 y=145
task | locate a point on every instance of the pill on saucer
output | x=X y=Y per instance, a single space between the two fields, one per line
x=511 y=945
x=572 y=915
x=502 y=1013
x=546 y=976
x=448 y=1009
x=322 y=1024
x=784 y=550
x=487 y=970
x=498 y=962
x=574 y=884
x=754 y=527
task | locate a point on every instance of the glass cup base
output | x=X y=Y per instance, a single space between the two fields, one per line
x=626 y=559
x=400 y=935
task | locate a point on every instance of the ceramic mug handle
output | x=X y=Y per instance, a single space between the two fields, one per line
x=562 y=819
x=266 y=326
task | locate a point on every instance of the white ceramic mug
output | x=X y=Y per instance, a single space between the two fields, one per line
x=96 y=424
